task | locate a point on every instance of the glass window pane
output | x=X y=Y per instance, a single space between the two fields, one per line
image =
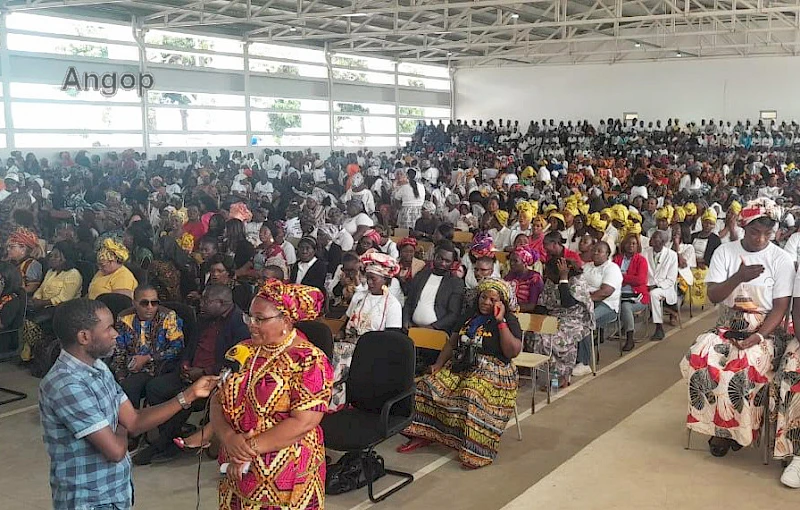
x=363 y=76
x=359 y=62
x=364 y=141
x=289 y=140
x=196 y=99
x=54 y=25
x=20 y=42
x=181 y=41
x=179 y=119
x=364 y=108
x=280 y=123
x=425 y=111
x=75 y=116
x=287 y=52
x=409 y=126
x=423 y=70
x=196 y=140
x=423 y=83
x=77 y=141
x=271 y=67
x=277 y=103
x=42 y=91
x=189 y=59
x=364 y=125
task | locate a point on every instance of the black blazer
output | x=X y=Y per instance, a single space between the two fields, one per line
x=233 y=331
x=447 y=304
x=315 y=276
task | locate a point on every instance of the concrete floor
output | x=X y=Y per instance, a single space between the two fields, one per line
x=611 y=441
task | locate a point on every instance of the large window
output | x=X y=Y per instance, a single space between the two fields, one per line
x=50 y=116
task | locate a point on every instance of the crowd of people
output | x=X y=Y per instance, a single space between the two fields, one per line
x=459 y=231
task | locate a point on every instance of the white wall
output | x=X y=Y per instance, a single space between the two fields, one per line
x=690 y=89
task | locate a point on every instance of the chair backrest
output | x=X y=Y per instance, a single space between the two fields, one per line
x=501 y=256
x=382 y=368
x=425 y=338
x=335 y=325
x=138 y=273
x=537 y=323
x=187 y=315
x=461 y=237
x=318 y=334
x=401 y=232
x=115 y=302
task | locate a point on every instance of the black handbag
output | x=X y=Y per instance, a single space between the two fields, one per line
x=465 y=356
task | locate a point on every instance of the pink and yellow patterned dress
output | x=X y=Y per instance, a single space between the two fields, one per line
x=261 y=395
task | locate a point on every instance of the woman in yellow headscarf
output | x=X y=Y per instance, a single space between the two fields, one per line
x=732 y=231
x=705 y=244
x=113 y=276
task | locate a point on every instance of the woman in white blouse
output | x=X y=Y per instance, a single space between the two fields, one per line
x=411 y=195
x=357 y=221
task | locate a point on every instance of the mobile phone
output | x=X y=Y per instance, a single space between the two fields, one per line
x=496 y=309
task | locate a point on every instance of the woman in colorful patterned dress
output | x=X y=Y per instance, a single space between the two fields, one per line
x=466 y=405
x=728 y=368
x=565 y=296
x=268 y=413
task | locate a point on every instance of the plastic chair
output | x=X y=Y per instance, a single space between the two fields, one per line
x=461 y=237
x=425 y=338
x=380 y=398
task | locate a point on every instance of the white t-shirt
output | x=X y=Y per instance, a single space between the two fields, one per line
x=383 y=311
x=405 y=194
x=263 y=188
x=351 y=224
x=793 y=246
x=757 y=295
x=289 y=251
x=344 y=240
x=607 y=273
x=425 y=314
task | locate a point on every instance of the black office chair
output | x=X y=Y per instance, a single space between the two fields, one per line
x=380 y=394
x=137 y=271
x=318 y=334
x=13 y=333
x=115 y=302
x=87 y=269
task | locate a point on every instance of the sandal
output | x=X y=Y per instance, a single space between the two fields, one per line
x=183 y=445
x=412 y=445
x=719 y=446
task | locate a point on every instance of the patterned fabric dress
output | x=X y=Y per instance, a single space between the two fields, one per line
x=574 y=323
x=786 y=403
x=727 y=386
x=274 y=383
x=468 y=411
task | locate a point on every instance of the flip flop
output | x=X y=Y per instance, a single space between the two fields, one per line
x=181 y=443
x=412 y=445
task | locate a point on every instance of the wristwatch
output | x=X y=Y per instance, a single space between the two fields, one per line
x=182 y=401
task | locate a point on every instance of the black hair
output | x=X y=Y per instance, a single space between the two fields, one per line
x=226 y=262
x=490 y=260
x=67 y=249
x=446 y=246
x=222 y=292
x=412 y=181
x=208 y=240
x=74 y=316
x=216 y=225
x=144 y=287
x=277 y=270
x=553 y=237
x=446 y=230
x=307 y=240
x=350 y=256
x=142 y=233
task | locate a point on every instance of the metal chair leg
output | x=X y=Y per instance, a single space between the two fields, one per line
x=593 y=362
x=688 y=439
x=533 y=387
x=549 y=387
x=516 y=418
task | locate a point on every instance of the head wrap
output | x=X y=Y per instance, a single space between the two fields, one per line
x=528 y=173
x=571 y=208
x=295 y=301
x=329 y=229
x=548 y=209
x=526 y=211
x=632 y=228
x=680 y=214
x=559 y=216
x=735 y=207
x=594 y=221
x=635 y=217
x=759 y=208
x=428 y=206
x=526 y=255
x=374 y=235
x=709 y=215
x=24 y=237
x=240 y=211
x=482 y=245
x=380 y=264
x=358 y=180
x=501 y=287
x=664 y=214
x=619 y=213
x=407 y=241
x=691 y=209
x=502 y=217
x=112 y=250
x=186 y=242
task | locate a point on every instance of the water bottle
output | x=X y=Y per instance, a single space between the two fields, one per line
x=554 y=383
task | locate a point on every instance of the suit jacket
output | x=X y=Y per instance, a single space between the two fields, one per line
x=315 y=276
x=233 y=331
x=447 y=304
x=665 y=274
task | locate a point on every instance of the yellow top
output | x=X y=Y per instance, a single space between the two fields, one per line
x=61 y=286
x=121 y=279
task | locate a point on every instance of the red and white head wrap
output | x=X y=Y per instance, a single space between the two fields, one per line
x=759 y=208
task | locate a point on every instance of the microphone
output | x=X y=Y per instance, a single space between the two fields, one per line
x=236 y=358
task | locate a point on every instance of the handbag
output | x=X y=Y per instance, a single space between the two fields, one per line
x=465 y=356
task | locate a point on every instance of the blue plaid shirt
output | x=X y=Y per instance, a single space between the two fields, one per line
x=76 y=400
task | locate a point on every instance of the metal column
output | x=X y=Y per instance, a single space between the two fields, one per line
x=5 y=68
x=248 y=124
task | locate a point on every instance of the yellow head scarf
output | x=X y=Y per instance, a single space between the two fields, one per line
x=735 y=207
x=633 y=228
x=607 y=212
x=526 y=211
x=112 y=250
x=680 y=214
x=571 y=209
x=502 y=217
x=635 y=217
x=709 y=215
x=619 y=213
x=550 y=208
x=594 y=221
x=528 y=173
x=664 y=214
x=583 y=208
x=691 y=209
x=559 y=216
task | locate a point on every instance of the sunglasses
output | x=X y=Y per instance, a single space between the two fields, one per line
x=145 y=302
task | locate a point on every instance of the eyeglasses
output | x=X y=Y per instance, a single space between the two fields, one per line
x=146 y=302
x=255 y=321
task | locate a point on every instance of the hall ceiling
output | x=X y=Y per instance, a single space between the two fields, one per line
x=473 y=33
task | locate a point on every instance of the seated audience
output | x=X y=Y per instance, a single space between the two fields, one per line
x=635 y=294
x=433 y=298
x=409 y=264
x=662 y=279
x=112 y=276
x=308 y=269
x=23 y=250
x=525 y=282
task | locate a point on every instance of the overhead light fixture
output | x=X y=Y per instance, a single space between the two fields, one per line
x=678 y=54
x=354 y=15
x=292 y=29
x=515 y=16
x=442 y=33
x=637 y=45
x=449 y=53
